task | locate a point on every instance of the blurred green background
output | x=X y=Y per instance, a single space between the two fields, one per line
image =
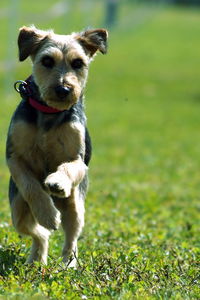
x=143 y=108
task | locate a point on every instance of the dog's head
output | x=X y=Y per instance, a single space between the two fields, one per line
x=60 y=62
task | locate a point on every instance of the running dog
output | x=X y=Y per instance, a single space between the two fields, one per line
x=48 y=145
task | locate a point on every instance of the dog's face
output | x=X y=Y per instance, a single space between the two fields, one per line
x=60 y=62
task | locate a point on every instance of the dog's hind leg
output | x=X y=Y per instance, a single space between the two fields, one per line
x=72 y=217
x=25 y=223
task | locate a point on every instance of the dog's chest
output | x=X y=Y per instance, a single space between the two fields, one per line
x=44 y=150
x=60 y=144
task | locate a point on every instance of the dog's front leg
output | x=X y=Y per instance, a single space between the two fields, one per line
x=39 y=201
x=67 y=176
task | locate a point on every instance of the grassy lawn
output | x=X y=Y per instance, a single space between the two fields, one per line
x=141 y=239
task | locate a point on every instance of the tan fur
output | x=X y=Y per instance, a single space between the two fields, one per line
x=38 y=144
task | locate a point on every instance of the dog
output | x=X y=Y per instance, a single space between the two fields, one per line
x=48 y=146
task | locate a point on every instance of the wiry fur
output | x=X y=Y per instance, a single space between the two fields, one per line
x=48 y=154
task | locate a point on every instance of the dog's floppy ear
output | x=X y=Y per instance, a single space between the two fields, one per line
x=29 y=40
x=93 y=40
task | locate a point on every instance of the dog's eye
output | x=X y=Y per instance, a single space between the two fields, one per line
x=48 y=62
x=77 y=63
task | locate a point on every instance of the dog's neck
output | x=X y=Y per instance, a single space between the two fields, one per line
x=30 y=92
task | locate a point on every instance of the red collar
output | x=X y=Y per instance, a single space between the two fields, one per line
x=43 y=108
x=25 y=90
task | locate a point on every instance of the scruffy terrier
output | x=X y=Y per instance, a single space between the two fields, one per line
x=48 y=145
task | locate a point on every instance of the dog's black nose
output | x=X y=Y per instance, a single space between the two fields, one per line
x=62 y=91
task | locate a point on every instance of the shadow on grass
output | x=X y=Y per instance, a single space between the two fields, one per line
x=9 y=256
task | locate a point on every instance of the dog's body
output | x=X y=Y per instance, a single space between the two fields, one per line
x=48 y=145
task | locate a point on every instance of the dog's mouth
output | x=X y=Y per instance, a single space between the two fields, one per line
x=61 y=97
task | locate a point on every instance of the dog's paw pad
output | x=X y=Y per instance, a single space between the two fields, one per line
x=55 y=189
x=59 y=186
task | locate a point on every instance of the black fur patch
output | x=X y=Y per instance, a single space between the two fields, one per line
x=88 y=148
x=13 y=190
x=9 y=149
x=25 y=112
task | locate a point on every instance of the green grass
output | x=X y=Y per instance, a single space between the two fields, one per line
x=141 y=238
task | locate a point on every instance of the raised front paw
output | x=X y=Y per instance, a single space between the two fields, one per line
x=58 y=184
